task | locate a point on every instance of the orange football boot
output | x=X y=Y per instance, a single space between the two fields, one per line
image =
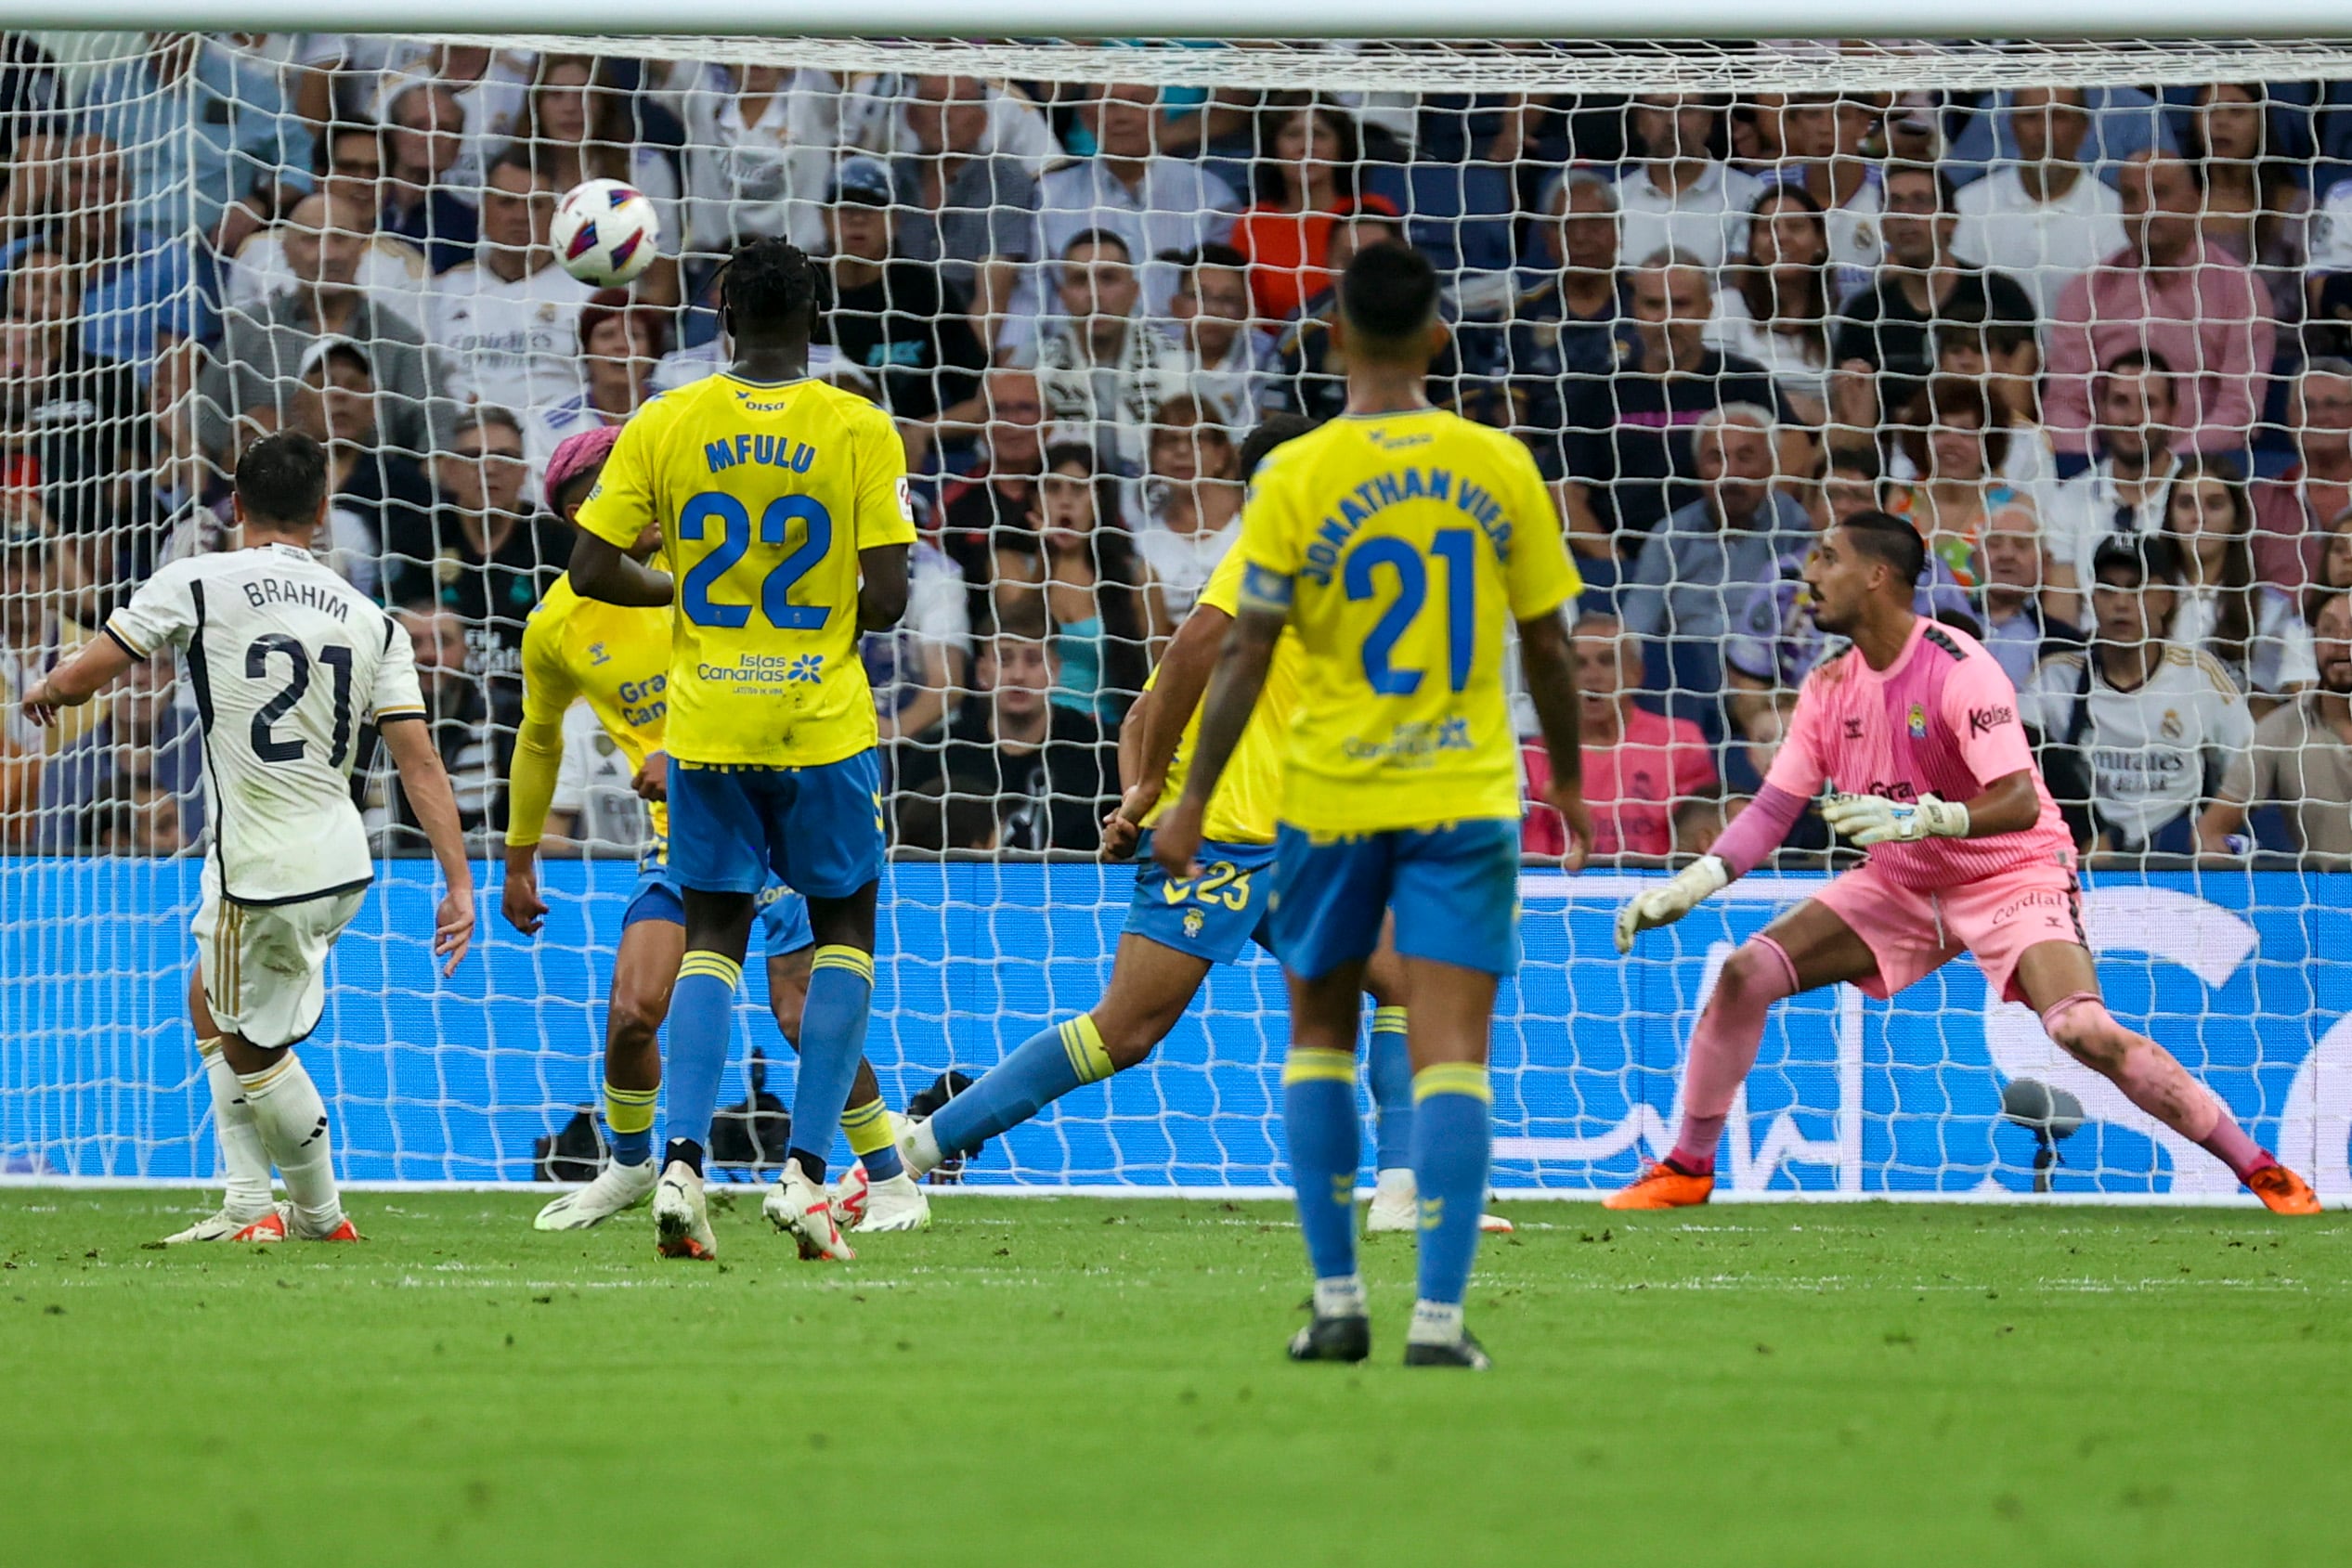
x=2283 y=1192
x=1661 y=1186
x=343 y=1232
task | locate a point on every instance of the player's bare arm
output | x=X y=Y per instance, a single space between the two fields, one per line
x=410 y=741
x=602 y=570
x=90 y=669
x=1155 y=726
x=1550 y=666
x=1233 y=693
x=1119 y=833
x=881 y=590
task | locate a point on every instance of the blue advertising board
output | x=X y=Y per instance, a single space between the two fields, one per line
x=2241 y=974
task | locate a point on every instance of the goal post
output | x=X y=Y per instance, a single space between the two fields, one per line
x=170 y=235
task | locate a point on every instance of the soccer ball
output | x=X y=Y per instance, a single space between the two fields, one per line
x=606 y=233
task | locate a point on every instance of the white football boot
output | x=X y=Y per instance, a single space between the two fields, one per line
x=851 y=1194
x=895 y=1204
x=681 y=1220
x=798 y=1207
x=225 y=1227
x=1395 y=1205
x=617 y=1189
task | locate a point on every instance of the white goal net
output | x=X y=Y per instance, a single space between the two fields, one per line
x=2081 y=311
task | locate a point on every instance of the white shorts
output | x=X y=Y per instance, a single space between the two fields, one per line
x=265 y=965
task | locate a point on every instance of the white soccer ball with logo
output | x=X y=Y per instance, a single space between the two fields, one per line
x=606 y=233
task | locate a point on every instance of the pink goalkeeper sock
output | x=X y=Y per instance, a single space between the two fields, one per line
x=1724 y=1047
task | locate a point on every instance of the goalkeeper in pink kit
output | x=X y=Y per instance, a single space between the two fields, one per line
x=1914 y=732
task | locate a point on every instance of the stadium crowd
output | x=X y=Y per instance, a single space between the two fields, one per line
x=2097 y=345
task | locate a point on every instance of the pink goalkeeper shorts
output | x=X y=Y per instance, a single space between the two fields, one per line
x=1912 y=934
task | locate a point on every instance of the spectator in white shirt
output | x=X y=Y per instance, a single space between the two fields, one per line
x=1102 y=369
x=578 y=125
x=913 y=665
x=620 y=342
x=1156 y=203
x=507 y=324
x=1195 y=504
x=2046 y=217
x=2005 y=358
x=1823 y=138
x=1676 y=194
x=264 y=350
x=490 y=87
x=2253 y=630
x=760 y=141
x=1225 y=354
x=1774 y=305
x=2138 y=728
x=348 y=165
x=884 y=113
x=2125 y=491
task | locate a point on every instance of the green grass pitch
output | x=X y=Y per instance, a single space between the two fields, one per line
x=1099 y=1383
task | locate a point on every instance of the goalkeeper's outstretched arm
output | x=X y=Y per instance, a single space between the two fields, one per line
x=2009 y=805
x=1742 y=847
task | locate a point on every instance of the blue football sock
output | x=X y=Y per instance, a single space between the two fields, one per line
x=1040 y=1070
x=1318 y=1111
x=1452 y=1136
x=1390 y=1068
x=702 y=1025
x=832 y=1044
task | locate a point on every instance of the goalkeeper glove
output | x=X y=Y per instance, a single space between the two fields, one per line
x=1873 y=819
x=1671 y=901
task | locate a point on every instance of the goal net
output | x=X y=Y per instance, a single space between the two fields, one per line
x=2082 y=312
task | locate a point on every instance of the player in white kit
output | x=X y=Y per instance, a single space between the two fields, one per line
x=287 y=661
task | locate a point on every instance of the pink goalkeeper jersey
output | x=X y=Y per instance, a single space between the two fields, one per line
x=1941 y=721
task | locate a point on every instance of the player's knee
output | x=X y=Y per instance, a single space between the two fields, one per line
x=2083 y=1028
x=1128 y=1042
x=1750 y=977
x=1130 y=1035
x=636 y=1015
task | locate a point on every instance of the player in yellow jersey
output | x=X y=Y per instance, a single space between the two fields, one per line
x=1394 y=541
x=1177 y=929
x=616 y=659
x=785 y=524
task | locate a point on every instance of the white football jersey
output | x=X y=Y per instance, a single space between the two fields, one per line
x=513 y=345
x=2154 y=752
x=287 y=661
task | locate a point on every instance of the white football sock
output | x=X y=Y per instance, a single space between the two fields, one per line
x=292 y=1120
x=918 y=1148
x=1435 y=1323
x=1340 y=1296
x=244 y=1164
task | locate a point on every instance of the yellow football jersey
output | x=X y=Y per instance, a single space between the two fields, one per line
x=615 y=656
x=1402 y=543
x=1249 y=795
x=765 y=495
